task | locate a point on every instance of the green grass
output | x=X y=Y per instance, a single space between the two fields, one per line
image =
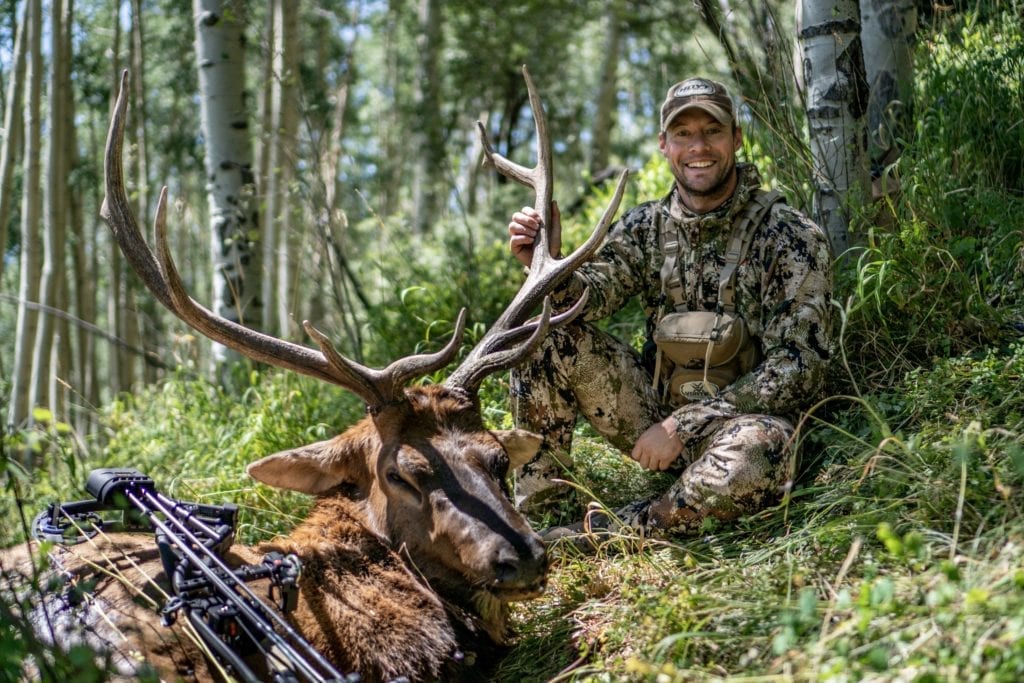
x=900 y=560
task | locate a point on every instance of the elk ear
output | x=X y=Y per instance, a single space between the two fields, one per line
x=520 y=445
x=313 y=469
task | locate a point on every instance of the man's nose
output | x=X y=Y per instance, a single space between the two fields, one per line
x=698 y=141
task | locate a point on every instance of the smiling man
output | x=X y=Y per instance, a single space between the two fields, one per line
x=736 y=285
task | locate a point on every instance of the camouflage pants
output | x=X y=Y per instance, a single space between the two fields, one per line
x=739 y=464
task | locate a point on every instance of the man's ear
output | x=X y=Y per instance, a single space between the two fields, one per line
x=520 y=445
x=312 y=469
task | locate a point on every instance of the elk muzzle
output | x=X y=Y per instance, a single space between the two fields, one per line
x=492 y=545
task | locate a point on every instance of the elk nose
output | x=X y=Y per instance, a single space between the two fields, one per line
x=523 y=565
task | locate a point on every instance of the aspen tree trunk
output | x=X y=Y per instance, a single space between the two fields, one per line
x=265 y=141
x=220 y=51
x=70 y=357
x=31 y=210
x=607 y=89
x=61 y=383
x=53 y=219
x=430 y=154
x=83 y=255
x=887 y=32
x=836 y=101
x=284 y=134
x=13 y=119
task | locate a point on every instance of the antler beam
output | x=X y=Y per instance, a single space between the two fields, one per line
x=158 y=272
x=493 y=353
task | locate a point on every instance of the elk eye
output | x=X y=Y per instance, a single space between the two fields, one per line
x=396 y=479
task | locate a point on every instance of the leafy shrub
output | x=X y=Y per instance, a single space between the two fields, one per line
x=941 y=272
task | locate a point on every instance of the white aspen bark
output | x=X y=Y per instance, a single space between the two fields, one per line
x=282 y=161
x=836 y=101
x=13 y=128
x=53 y=218
x=220 y=51
x=887 y=33
x=31 y=209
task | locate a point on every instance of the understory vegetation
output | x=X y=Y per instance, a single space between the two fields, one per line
x=897 y=555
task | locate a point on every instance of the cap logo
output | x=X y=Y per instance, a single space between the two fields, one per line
x=694 y=88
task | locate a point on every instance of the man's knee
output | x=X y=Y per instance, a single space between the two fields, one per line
x=744 y=468
x=747 y=461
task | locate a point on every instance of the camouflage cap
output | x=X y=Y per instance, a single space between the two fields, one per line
x=697 y=93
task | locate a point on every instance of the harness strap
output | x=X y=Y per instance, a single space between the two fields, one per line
x=744 y=227
x=742 y=236
x=671 y=247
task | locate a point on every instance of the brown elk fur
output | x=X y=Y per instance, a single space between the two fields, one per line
x=393 y=584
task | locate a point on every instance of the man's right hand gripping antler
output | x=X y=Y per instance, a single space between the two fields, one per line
x=523 y=229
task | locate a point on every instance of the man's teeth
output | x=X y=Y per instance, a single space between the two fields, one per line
x=700 y=164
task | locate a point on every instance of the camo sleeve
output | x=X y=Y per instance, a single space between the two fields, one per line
x=621 y=269
x=785 y=293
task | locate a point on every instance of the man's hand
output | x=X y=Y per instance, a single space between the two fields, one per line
x=659 y=446
x=523 y=229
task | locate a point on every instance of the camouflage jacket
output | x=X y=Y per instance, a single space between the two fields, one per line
x=783 y=291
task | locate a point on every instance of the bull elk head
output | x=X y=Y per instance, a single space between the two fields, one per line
x=427 y=474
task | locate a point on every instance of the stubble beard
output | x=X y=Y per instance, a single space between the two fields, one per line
x=718 y=189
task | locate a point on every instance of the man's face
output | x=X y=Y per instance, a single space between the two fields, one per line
x=702 y=155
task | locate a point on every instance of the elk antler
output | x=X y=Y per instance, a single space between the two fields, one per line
x=490 y=355
x=158 y=272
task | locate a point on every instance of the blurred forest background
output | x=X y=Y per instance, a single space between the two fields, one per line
x=898 y=555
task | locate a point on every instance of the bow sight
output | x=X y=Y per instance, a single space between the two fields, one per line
x=192 y=539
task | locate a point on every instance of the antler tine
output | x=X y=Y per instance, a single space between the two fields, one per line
x=115 y=210
x=539 y=178
x=546 y=272
x=390 y=381
x=160 y=275
x=494 y=357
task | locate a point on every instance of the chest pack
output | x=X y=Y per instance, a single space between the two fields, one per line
x=703 y=351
